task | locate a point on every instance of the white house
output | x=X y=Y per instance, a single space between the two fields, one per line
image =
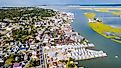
x=38 y=24
x=91 y=20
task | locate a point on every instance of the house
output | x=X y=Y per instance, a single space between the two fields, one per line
x=91 y=20
x=2 y=25
x=98 y=20
x=9 y=33
x=21 y=22
x=38 y=24
x=17 y=65
x=1 y=62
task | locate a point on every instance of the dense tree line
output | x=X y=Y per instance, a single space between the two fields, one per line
x=11 y=13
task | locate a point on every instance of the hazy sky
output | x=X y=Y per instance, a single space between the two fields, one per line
x=40 y=2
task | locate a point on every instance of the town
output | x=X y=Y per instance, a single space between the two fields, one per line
x=41 y=38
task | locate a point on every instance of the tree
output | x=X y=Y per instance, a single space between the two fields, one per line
x=70 y=63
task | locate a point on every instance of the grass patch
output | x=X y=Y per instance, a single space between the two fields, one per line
x=9 y=60
x=102 y=28
x=102 y=10
x=90 y=15
x=116 y=13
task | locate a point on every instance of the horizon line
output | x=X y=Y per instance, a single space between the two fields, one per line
x=97 y=4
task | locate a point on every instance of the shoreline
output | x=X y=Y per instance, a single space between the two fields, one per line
x=105 y=30
x=51 y=40
x=105 y=36
x=75 y=48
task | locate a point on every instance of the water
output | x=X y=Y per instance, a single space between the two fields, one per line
x=115 y=22
x=80 y=25
x=113 y=49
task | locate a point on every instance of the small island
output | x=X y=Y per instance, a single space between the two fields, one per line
x=105 y=30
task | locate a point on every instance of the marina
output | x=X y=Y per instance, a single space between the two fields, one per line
x=47 y=41
x=66 y=42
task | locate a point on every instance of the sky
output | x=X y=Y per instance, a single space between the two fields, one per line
x=45 y=2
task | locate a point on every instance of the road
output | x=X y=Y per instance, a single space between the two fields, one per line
x=42 y=58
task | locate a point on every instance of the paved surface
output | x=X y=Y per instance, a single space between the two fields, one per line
x=42 y=59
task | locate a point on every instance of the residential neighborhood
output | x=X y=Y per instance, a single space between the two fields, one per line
x=41 y=38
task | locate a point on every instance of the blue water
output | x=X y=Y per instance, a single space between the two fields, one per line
x=113 y=49
x=113 y=21
x=80 y=25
